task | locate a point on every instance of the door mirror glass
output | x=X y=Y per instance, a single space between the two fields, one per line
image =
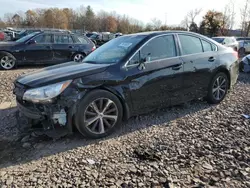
x=32 y=41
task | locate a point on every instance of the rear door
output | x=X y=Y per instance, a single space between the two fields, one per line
x=161 y=80
x=199 y=57
x=63 y=47
x=40 y=51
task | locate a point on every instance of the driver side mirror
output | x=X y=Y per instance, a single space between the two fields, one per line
x=32 y=41
x=143 y=61
x=223 y=42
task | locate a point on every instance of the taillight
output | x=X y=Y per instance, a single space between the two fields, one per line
x=236 y=54
x=93 y=48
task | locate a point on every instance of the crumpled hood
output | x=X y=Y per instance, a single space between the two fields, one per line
x=58 y=73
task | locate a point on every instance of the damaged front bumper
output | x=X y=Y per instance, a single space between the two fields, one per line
x=49 y=116
x=56 y=114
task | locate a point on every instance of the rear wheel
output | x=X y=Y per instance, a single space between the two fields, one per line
x=98 y=114
x=7 y=61
x=78 y=57
x=218 y=88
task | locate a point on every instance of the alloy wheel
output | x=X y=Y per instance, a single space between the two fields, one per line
x=219 y=88
x=7 y=62
x=100 y=115
x=78 y=57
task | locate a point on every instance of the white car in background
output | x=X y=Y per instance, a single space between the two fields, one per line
x=244 y=45
x=227 y=41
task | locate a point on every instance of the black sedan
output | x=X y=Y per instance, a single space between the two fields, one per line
x=127 y=76
x=44 y=48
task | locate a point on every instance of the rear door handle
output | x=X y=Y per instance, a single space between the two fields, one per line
x=177 y=66
x=211 y=59
x=49 y=47
x=71 y=46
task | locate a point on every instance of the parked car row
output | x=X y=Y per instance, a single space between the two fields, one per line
x=126 y=76
x=240 y=44
x=45 y=47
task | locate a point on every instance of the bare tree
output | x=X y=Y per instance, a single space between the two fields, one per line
x=244 y=16
x=190 y=18
x=156 y=23
x=185 y=23
x=193 y=14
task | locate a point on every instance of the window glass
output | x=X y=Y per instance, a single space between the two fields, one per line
x=70 y=40
x=190 y=44
x=206 y=46
x=61 y=39
x=43 y=39
x=114 y=50
x=82 y=40
x=214 y=47
x=159 y=48
x=135 y=60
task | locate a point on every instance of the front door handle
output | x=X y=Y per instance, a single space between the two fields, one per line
x=71 y=46
x=211 y=59
x=177 y=66
x=49 y=47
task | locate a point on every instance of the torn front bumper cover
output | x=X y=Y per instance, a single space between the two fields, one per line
x=50 y=116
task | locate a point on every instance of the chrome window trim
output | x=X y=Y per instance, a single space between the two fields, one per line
x=125 y=65
x=201 y=38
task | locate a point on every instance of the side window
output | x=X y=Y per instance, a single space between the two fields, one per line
x=43 y=39
x=61 y=39
x=135 y=60
x=159 y=48
x=190 y=44
x=70 y=40
x=82 y=40
x=207 y=47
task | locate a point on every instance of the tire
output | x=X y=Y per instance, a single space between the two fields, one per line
x=87 y=113
x=212 y=97
x=241 y=66
x=7 y=61
x=78 y=57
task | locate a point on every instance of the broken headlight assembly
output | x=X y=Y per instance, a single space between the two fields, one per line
x=45 y=93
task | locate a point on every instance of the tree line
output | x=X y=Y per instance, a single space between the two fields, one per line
x=84 y=18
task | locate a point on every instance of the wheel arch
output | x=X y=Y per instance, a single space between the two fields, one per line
x=4 y=52
x=78 y=52
x=224 y=70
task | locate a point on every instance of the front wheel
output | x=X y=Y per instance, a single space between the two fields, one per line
x=99 y=114
x=218 y=88
x=7 y=61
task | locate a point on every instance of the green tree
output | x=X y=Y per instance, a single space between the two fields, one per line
x=213 y=21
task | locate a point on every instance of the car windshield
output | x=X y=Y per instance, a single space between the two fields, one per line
x=219 y=40
x=23 y=39
x=114 y=50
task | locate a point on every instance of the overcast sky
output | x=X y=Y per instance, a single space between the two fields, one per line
x=172 y=11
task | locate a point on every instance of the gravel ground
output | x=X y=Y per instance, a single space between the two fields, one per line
x=191 y=145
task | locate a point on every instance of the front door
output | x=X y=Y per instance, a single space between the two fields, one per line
x=40 y=50
x=199 y=57
x=160 y=81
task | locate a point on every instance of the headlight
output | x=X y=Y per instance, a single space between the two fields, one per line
x=46 y=93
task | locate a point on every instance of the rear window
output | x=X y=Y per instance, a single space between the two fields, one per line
x=82 y=40
x=219 y=40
